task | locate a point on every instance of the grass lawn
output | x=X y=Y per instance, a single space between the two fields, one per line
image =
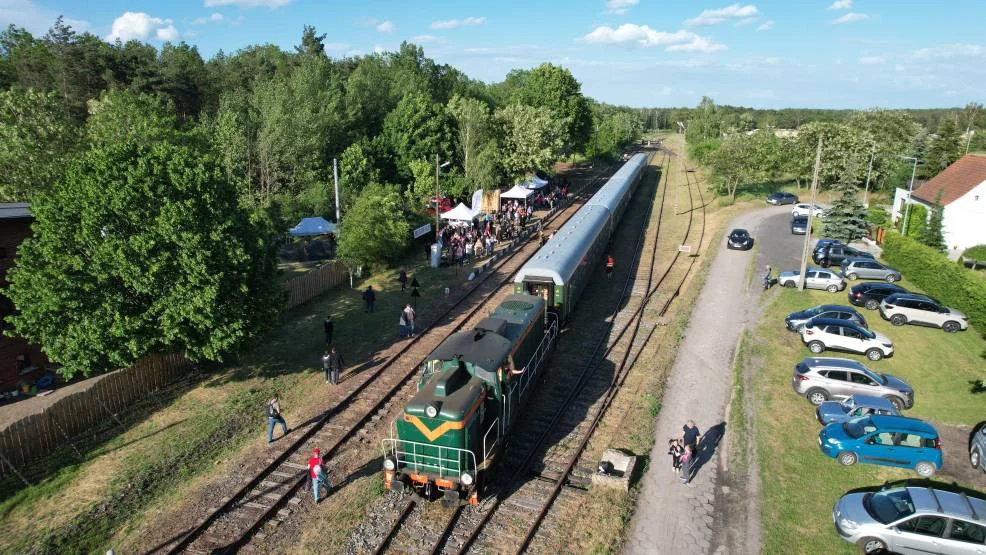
x=799 y=485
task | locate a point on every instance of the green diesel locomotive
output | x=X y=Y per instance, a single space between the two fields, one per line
x=471 y=391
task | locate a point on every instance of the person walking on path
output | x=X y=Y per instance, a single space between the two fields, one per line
x=403 y=325
x=274 y=417
x=403 y=279
x=332 y=363
x=317 y=474
x=610 y=263
x=408 y=316
x=329 y=328
x=690 y=435
x=369 y=297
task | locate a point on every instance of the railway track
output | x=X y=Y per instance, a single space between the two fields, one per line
x=269 y=494
x=521 y=502
x=585 y=401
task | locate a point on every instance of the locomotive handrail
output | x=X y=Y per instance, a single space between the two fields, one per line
x=486 y=450
x=420 y=458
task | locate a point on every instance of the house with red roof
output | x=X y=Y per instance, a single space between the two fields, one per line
x=962 y=186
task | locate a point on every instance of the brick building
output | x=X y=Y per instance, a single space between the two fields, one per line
x=15 y=226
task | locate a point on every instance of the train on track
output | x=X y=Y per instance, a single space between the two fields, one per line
x=472 y=388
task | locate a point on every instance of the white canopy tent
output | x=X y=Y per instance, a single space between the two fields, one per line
x=461 y=213
x=517 y=192
x=535 y=182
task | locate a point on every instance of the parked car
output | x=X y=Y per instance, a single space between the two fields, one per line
x=867 y=268
x=739 y=239
x=819 y=379
x=795 y=320
x=782 y=197
x=822 y=243
x=820 y=334
x=910 y=308
x=977 y=448
x=853 y=407
x=817 y=279
x=804 y=208
x=833 y=255
x=912 y=520
x=799 y=225
x=871 y=293
x=884 y=440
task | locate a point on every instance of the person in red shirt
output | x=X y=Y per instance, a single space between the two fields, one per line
x=317 y=474
x=610 y=262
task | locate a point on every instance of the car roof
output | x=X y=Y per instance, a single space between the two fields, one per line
x=862 y=259
x=835 y=321
x=867 y=285
x=911 y=297
x=872 y=401
x=904 y=423
x=928 y=500
x=799 y=218
x=835 y=307
x=833 y=362
x=739 y=229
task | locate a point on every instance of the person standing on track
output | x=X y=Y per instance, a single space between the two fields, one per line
x=332 y=363
x=402 y=277
x=369 y=297
x=409 y=315
x=317 y=474
x=274 y=417
x=610 y=263
x=329 y=328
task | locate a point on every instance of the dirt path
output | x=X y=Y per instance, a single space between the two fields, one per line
x=676 y=518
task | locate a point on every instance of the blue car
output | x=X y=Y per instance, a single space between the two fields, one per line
x=884 y=440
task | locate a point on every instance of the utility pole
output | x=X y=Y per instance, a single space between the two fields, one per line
x=968 y=128
x=438 y=198
x=335 y=176
x=811 y=217
x=866 y=192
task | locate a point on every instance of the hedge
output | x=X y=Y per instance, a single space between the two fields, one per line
x=975 y=253
x=937 y=276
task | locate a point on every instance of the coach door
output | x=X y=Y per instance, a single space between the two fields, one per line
x=545 y=290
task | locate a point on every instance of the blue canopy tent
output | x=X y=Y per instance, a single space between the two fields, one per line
x=309 y=227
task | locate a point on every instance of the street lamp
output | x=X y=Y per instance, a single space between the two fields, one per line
x=907 y=207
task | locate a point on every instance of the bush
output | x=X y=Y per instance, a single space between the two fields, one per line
x=917 y=221
x=975 y=253
x=935 y=274
x=877 y=215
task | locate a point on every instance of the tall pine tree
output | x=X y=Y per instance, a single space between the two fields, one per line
x=846 y=220
x=933 y=234
x=945 y=148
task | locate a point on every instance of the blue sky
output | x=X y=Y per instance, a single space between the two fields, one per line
x=828 y=54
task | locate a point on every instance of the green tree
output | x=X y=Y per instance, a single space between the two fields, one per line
x=743 y=159
x=847 y=219
x=121 y=115
x=418 y=129
x=934 y=235
x=891 y=133
x=916 y=222
x=37 y=137
x=531 y=138
x=945 y=148
x=555 y=88
x=475 y=131
x=312 y=44
x=845 y=153
x=375 y=229
x=183 y=77
x=706 y=122
x=142 y=249
x=356 y=171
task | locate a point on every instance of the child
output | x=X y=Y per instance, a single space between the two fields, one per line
x=675 y=449
x=686 y=464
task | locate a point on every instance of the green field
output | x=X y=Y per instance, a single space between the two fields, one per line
x=799 y=485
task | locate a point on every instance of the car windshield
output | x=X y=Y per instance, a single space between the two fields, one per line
x=813 y=311
x=882 y=378
x=889 y=506
x=857 y=428
x=867 y=333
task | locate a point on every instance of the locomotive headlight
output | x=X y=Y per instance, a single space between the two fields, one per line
x=466 y=479
x=389 y=464
x=431 y=411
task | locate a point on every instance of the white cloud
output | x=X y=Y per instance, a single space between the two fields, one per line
x=214 y=18
x=385 y=27
x=872 y=60
x=712 y=17
x=642 y=35
x=766 y=25
x=37 y=20
x=425 y=39
x=140 y=26
x=851 y=17
x=840 y=5
x=272 y=4
x=746 y=21
x=950 y=51
x=619 y=7
x=454 y=23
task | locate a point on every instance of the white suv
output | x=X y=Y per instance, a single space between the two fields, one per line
x=908 y=308
x=820 y=334
x=804 y=208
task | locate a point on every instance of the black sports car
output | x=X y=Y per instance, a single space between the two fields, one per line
x=782 y=197
x=739 y=239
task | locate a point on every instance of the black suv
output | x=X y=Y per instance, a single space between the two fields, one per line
x=833 y=255
x=872 y=293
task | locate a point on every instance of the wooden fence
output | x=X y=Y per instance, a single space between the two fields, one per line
x=38 y=435
x=313 y=283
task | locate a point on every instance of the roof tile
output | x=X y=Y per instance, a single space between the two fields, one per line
x=956 y=180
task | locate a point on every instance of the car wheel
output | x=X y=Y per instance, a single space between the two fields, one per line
x=874 y=354
x=832 y=288
x=872 y=545
x=851 y=275
x=898 y=319
x=816 y=347
x=790 y=284
x=896 y=402
x=872 y=304
x=974 y=457
x=817 y=396
x=847 y=458
x=950 y=326
x=925 y=469
x=891 y=278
